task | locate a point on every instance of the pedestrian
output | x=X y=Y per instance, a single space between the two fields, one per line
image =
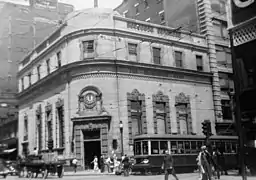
x=167 y=166
x=102 y=164
x=74 y=163
x=126 y=165
x=204 y=159
x=95 y=164
x=216 y=162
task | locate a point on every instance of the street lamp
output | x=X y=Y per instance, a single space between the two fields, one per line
x=121 y=131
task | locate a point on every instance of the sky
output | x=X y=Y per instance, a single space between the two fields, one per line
x=83 y=4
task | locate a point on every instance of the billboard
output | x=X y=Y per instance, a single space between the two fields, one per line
x=242 y=10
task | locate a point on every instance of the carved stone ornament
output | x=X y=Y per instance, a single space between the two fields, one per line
x=59 y=103
x=39 y=110
x=182 y=99
x=25 y=116
x=90 y=102
x=48 y=107
x=160 y=97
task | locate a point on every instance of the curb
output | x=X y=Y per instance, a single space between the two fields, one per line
x=88 y=174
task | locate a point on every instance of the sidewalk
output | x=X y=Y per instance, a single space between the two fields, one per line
x=86 y=173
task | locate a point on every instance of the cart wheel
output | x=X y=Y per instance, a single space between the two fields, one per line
x=60 y=172
x=45 y=173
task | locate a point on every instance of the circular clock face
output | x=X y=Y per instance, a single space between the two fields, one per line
x=90 y=99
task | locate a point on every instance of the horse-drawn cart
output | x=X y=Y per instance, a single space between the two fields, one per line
x=46 y=164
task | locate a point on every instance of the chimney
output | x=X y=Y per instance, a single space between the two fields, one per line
x=95 y=3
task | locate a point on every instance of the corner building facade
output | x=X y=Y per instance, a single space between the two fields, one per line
x=88 y=76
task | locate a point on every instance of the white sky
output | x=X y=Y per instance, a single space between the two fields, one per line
x=83 y=4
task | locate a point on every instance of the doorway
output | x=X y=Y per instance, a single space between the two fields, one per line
x=92 y=147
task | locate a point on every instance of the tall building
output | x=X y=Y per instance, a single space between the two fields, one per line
x=92 y=76
x=24 y=24
x=243 y=33
x=206 y=17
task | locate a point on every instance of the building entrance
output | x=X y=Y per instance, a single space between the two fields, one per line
x=92 y=147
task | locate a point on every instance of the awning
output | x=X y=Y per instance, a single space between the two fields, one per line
x=9 y=150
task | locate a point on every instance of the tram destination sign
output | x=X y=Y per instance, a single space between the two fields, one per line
x=242 y=10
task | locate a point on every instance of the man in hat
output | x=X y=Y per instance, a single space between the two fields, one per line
x=167 y=166
x=204 y=164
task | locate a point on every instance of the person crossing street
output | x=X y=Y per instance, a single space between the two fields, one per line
x=167 y=166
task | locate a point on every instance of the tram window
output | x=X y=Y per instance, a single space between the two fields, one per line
x=174 y=147
x=154 y=147
x=138 y=148
x=194 y=148
x=233 y=147
x=145 y=147
x=163 y=146
x=187 y=146
x=199 y=144
x=180 y=147
x=228 y=147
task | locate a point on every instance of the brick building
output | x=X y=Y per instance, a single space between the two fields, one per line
x=23 y=26
x=88 y=76
x=206 y=17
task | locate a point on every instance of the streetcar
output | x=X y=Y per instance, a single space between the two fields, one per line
x=149 y=151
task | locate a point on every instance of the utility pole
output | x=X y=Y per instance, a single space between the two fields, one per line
x=238 y=116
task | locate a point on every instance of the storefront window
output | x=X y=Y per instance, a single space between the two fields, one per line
x=145 y=147
x=154 y=147
x=138 y=148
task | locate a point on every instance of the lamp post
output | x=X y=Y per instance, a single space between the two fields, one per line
x=121 y=131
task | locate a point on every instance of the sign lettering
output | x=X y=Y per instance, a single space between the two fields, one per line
x=243 y=4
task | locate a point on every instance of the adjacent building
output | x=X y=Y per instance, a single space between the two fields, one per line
x=206 y=17
x=24 y=24
x=79 y=84
x=243 y=33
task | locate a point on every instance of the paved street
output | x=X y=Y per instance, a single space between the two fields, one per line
x=193 y=176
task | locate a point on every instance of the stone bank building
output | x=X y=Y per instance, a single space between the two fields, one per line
x=99 y=69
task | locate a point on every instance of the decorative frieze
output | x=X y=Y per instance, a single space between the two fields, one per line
x=140 y=27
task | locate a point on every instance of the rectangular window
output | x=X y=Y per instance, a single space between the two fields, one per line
x=132 y=48
x=137 y=148
x=178 y=59
x=226 y=109
x=161 y=15
x=125 y=13
x=199 y=63
x=29 y=79
x=48 y=66
x=156 y=55
x=59 y=59
x=39 y=72
x=136 y=117
x=161 y=118
x=25 y=128
x=61 y=126
x=137 y=12
x=146 y=4
x=154 y=147
x=22 y=83
x=88 y=46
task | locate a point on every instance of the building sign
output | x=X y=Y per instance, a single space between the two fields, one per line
x=44 y=4
x=242 y=10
